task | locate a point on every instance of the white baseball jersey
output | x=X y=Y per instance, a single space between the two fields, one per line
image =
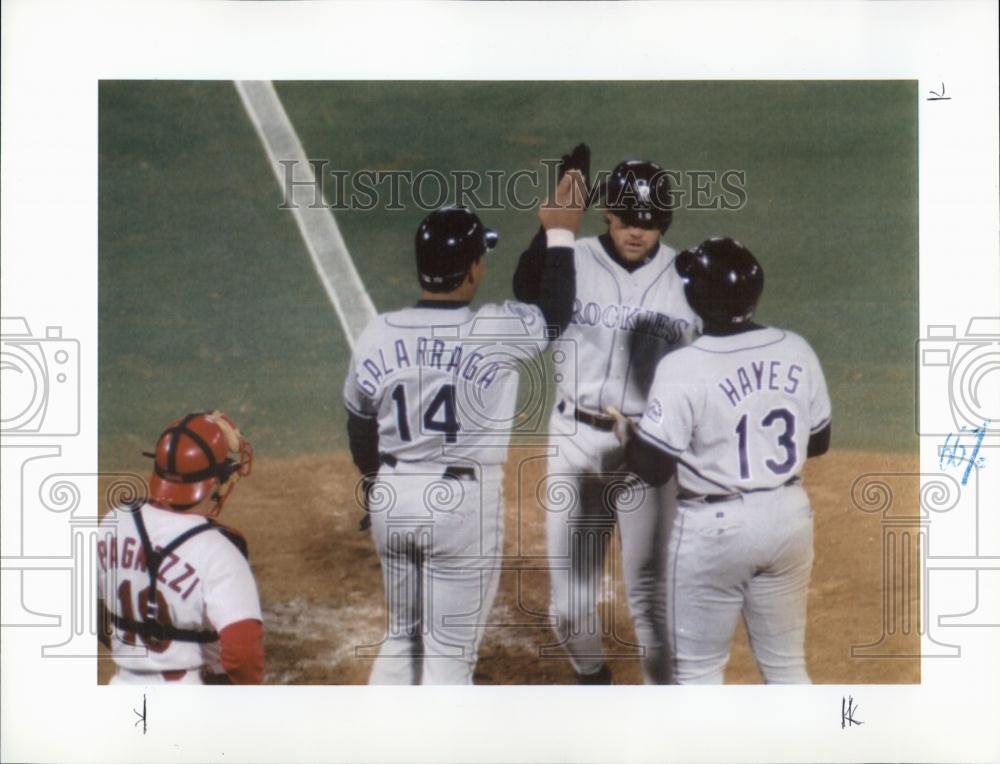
x=737 y=411
x=442 y=382
x=623 y=324
x=204 y=585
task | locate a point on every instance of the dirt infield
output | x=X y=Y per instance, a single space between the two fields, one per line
x=320 y=581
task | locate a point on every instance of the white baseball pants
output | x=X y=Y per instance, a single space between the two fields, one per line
x=439 y=540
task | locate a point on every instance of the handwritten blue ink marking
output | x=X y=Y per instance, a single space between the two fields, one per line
x=980 y=434
x=949 y=453
x=953 y=453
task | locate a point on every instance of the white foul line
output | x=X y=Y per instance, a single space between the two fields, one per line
x=316 y=223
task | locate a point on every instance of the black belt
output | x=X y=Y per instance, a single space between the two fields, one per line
x=597 y=421
x=712 y=498
x=716 y=498
x=451 y=472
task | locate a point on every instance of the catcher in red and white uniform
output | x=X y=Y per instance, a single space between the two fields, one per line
x=176 y=594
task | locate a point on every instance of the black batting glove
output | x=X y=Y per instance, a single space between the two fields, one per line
x=578 y=159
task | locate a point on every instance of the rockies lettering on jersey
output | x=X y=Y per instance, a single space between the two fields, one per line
x=631 y=319
x=623 y=323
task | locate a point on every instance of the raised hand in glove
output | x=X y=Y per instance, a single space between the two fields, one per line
x=578 y=159
x=565 y=209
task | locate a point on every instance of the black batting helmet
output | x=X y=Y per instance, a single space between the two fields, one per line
x=448 y=241
x=722 y=280
x=638 y=192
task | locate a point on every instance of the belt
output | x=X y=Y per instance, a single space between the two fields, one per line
x=716 y=498
x=712 y=498
x=597 y=421
x=451 y=472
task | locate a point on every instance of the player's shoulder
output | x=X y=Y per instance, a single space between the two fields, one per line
x=794 y=340
x=509 y=318
x=233 y=536
x=373 y=331
x=665 y=266
x=761 y=338
x=393 y=322
x=588 y=250
x=217 y=545
x=587 y=245
x=153 y=516
x=669 y=254
x=684 y=358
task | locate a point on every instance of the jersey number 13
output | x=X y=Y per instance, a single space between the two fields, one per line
x=785 y=439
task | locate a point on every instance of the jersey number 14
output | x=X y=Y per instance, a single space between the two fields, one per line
x=439 y=417
x=786 y=439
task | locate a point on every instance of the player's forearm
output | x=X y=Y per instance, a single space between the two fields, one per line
x=558 y=282
x=648 y=462
x=243 y=651
x=819 y=443
x=362 y=435
x=528 y=276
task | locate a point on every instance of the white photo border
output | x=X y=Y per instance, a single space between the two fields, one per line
x=54 y=55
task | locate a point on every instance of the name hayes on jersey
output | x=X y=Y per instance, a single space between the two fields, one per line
x=758 y=376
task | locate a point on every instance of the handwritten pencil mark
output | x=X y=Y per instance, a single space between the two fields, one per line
x=847 y=709
x=142 y=716
x=939 y=96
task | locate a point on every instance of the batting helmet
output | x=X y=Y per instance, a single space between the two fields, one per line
x=448 y=242
x=192 y=461
x=722 y=280
x=638 y=192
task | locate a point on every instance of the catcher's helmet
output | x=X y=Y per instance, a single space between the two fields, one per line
x=193 y=462
x=448 y=241
x=722 y=280
x=639 y=193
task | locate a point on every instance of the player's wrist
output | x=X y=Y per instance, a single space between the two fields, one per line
x=559 y=237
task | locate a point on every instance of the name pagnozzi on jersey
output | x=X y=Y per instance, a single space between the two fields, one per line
x=134 y=558
x=630 y=319
x=758 y=376
x=429 y=353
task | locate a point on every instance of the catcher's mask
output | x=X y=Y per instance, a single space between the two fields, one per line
x=198 y=456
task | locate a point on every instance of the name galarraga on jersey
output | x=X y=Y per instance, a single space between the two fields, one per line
x=448 y=357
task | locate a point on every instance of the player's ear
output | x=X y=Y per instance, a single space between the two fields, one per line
x=475 y=271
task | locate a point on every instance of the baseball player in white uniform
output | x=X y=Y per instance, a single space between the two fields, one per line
x=177 y=598
x=629 y=312
x=431 y=395
x=736 y=414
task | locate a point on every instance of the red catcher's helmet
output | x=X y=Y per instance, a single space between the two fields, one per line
x=193 y=462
